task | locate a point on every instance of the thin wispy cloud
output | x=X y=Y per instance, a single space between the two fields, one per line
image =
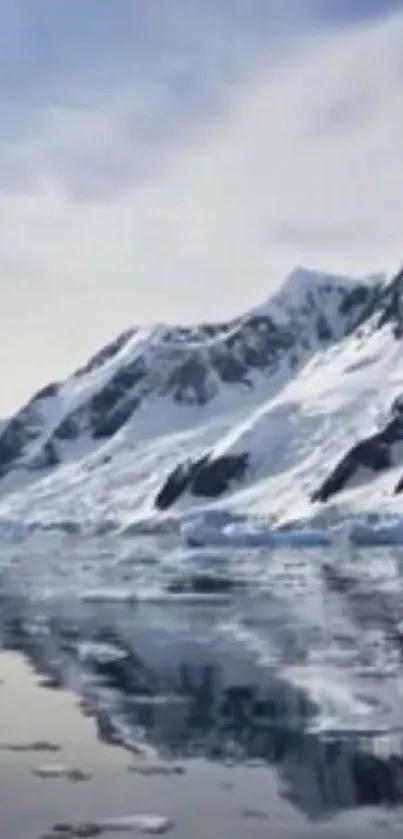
x=171 y=160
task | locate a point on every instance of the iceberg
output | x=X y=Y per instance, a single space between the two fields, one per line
x=252 y=535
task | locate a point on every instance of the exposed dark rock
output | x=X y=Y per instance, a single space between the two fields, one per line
x=373 y=453
x=214 y=329
x=323 y=329
x=69 y=429
x=229 y=368
x=108 y=425
x=16 y=435
x=188 y=382
x=106 y=353
x=177 y=482
x=11 y=444
x=293 y=361
x=359 y=295
x=390 y=305
x=197 y=334
x=207 y=477
x=399 y=486
x=215 y=476
x=384 y=306
x=47 y=392
x=22 y=429
x=260 y=342
x=173 y=487
x=111 y=405
x=47 y=458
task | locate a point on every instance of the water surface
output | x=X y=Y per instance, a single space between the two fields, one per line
x=271 y=709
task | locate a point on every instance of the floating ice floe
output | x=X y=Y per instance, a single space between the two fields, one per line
x=156 y=770
x=359 y=726
x=108 y=595
x=366 y=535
x=59 y=770
x=149 y=824
x=150 y=596
x=142 y=823
x=104 y=653
x=36 y=746
x=251 y=534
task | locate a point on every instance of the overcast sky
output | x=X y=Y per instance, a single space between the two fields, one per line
x=173 y=159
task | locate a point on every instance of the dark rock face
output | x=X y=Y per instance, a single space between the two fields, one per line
x=23 y=429
x=263 y=341
x=230 y=370
x=177 y=482
x=384 y=306
x=106 y=353
x=323 y=329
x=215 y=476
x=399 y=486
x=105 y=413
x=360 y=295
x=116 y=389
x=47 y=458
x=391 y=306
x=106 y=425
x=207 y=477
x=373 y=453
x=12 y=443
x=47 y=392
x=68 y=429
x=187 y=383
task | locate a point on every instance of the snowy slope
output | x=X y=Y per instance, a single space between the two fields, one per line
x=165 y=378
x=336 y=428
x=258 y=414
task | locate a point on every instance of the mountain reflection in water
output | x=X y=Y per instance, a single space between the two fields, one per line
x=157 y=678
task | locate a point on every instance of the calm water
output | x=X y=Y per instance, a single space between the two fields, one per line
x=271 y=712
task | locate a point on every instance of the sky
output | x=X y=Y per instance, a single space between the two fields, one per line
x=172 y=160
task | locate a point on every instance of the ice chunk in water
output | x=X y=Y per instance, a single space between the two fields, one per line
x=140 y=823
x=59 y=770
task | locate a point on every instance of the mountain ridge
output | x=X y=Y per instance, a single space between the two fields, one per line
x=227 y=408
x=197 y=361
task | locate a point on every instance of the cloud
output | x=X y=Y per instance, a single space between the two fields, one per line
x=355 y=10
x=94 y=94
x=182 y=181
x=80 y=79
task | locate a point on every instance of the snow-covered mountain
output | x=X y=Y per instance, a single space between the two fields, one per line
x=276 y=411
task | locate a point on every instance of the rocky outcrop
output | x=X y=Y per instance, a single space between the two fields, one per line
x=208 y=477
x=373 y=454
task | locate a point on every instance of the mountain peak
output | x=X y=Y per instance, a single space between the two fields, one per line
x=302 y=280
x=149 y=381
